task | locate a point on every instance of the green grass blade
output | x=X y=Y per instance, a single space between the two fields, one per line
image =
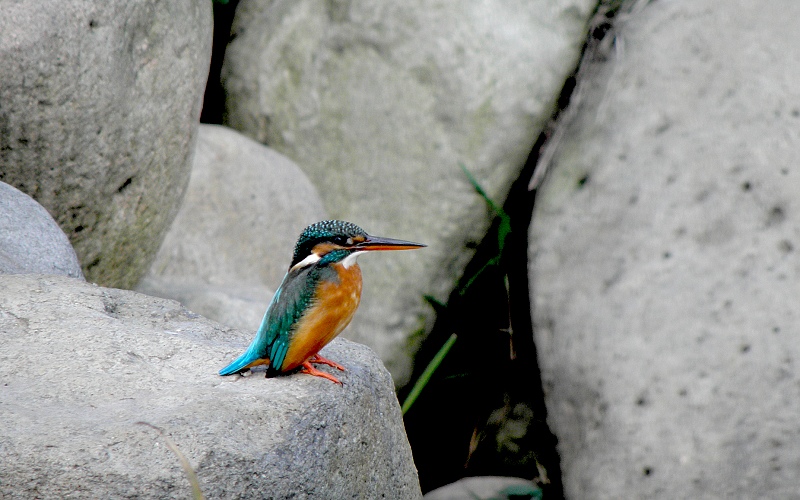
x=505 y=220
x=423 y=379
x=480 y=190
x=492 y=262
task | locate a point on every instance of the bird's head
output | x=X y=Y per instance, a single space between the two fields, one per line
x=332 y=241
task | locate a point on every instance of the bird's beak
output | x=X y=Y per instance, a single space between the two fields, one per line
x=378 y=243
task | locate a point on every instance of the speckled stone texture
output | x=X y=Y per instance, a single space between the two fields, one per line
x=81 y=365
x=664 y=259
x=30 y=240
x=100 y=107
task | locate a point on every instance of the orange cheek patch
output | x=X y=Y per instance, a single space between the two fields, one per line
x=333 y=308
x=324 y=248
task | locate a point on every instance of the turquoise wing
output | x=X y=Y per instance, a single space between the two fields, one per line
x=274 y=335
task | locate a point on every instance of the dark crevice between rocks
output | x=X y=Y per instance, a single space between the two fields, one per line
x=214 y=98
x=483 y=412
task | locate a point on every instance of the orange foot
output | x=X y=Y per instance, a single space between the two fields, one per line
x=307 y=368
x=325 y=361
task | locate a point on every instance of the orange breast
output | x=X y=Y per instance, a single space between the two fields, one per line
x=333 y=307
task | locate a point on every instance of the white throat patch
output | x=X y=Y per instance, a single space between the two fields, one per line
x=350 y=259
x=311 y=259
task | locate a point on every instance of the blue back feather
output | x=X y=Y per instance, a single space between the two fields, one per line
x=288 y=304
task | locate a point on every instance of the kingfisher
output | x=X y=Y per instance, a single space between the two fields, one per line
x=315 y=301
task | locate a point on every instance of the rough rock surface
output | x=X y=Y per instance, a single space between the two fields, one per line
x=486 y=488
x=30 y=240
x=664 y=260
x=100 y=102
x=380 y=101
x=236 y=306
x=232 y=240
x=81 y=365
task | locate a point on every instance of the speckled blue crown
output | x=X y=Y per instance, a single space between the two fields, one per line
x=326 y=230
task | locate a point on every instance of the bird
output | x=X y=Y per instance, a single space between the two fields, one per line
x=315 y=301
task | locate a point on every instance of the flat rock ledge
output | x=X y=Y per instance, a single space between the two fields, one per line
x=82 y=365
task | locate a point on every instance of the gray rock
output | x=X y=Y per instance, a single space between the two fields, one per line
x=236 y=306
x=81 y=365
x=100 y=103
x=30 y=240
x=487 y=488
x=232 y=240
x=664 y=260
x=379 y=102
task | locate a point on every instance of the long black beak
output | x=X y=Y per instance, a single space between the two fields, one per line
x=378 y=243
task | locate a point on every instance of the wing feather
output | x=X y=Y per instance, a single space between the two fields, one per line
x=274 y=334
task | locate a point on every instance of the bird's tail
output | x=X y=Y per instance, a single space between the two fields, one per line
x=240 y=364
x=256 y=354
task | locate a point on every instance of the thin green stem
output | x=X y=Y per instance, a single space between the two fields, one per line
x=423 y=380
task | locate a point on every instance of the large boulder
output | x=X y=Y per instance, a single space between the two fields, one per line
x=231 y=243
x=100 y=102
x=664 y=260
x=82 y=366
x=30 y=240
x=379 y=102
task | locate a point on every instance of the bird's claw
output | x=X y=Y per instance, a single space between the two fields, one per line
x=306 y=367
x=316 y=358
